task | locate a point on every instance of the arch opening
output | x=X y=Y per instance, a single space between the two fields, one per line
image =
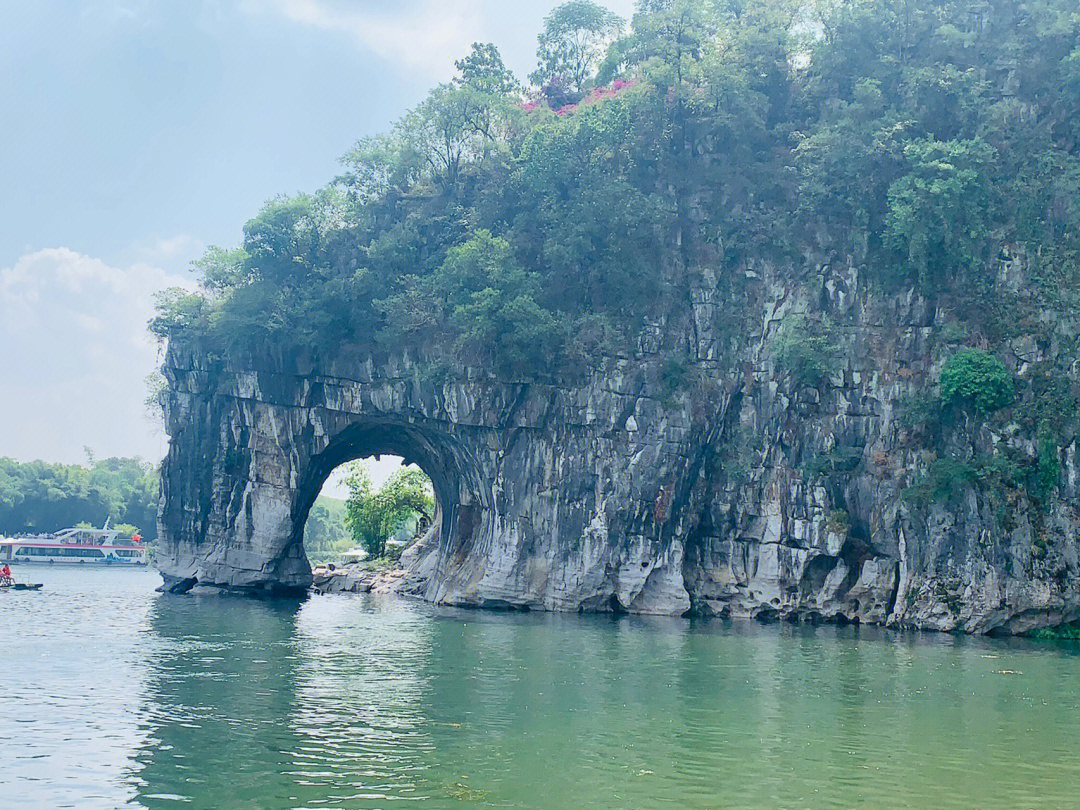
x=392 y=505
x=441 y=459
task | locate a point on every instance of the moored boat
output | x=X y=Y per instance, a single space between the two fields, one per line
x=75 y=546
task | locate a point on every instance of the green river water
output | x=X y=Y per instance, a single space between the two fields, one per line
x=115 y=696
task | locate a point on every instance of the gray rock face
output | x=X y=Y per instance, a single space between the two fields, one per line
x=734 y=492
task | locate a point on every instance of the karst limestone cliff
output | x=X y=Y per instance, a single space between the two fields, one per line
x=696 y=474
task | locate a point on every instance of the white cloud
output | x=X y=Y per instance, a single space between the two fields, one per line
x=176 y=245
x=168 y=252
x=74 y=355
x=421 y=34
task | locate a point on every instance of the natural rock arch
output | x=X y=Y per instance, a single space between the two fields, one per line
x=463 y=503
x=530 y=496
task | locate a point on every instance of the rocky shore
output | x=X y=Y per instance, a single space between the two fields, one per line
x=357 y=580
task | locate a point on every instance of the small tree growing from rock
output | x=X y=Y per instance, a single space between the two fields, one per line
x=975 y=378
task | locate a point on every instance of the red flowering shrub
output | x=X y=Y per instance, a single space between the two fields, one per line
x=597 y=94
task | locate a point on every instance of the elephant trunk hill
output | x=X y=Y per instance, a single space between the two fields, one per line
x=763 y=315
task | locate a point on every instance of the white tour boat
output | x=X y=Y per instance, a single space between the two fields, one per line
x=74 y=546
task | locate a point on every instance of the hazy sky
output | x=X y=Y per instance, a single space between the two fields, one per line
x=133 y=133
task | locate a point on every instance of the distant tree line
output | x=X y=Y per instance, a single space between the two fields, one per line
x=325 y=535
x=37 y=497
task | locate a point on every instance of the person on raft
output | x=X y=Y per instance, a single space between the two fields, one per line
x=5 y=575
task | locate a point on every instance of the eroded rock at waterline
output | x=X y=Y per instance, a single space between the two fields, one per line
x=361 y=581
x=740 y=491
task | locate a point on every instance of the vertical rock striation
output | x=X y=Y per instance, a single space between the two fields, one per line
x=696 y=475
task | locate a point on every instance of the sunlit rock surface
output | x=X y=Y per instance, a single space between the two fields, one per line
x=624 y=492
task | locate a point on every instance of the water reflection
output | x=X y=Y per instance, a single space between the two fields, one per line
x=360 y=701
x=73 y=670
x=220 y=695
x=137 y=700
x=345 y=702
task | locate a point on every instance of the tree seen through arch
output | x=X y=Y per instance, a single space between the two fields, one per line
x=361 y=506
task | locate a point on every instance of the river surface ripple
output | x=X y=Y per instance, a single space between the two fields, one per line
x=116 y=696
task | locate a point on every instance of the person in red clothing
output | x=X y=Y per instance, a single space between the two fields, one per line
x=5 y=575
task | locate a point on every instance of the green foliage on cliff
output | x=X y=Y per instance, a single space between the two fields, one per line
x=976 y=378
x=373 y=516
x=39 y=497
x=1047 y=472
x=536 y=232
x=805 y=351
x=944 y=482
x=575 y=38
x=491 y=301
x=938 y=212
